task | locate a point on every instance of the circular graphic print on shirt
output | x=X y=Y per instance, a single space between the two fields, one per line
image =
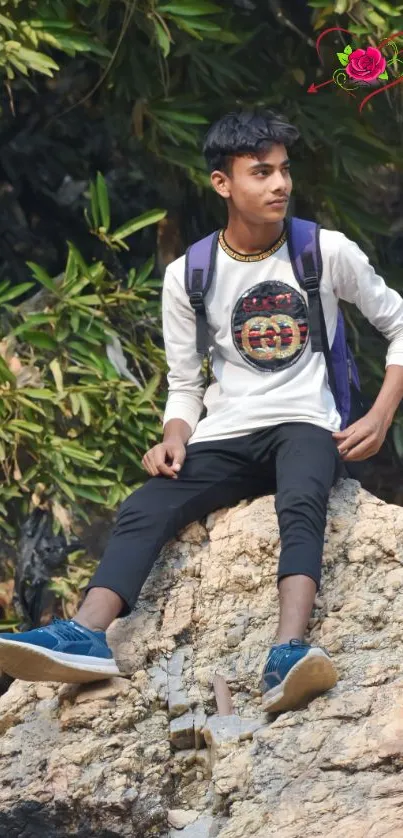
x=270 y=326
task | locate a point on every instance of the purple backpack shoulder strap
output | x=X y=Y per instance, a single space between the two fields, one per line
x=200 y=263
x=306 y=260
x=304 y=241
x=199 y=272
x=303 y=238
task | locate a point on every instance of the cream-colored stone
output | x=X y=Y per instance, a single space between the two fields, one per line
x=99 y=758
x=179 y=818
x=179 y=608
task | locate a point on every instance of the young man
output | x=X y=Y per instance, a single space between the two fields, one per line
x=271 y=425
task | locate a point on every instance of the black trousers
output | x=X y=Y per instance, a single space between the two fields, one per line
x=298 y=461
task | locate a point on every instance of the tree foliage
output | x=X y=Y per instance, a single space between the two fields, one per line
x=136 y=86
x=29 y=30
x=128 y=89
x=80 y=369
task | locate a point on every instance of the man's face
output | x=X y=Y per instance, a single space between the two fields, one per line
x=254 y=183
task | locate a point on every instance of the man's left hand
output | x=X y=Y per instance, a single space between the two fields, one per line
x=362 y=439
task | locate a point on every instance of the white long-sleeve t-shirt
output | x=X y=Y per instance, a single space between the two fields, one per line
x=257 y=314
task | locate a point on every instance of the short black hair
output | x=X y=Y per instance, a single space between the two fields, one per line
x=245 y=132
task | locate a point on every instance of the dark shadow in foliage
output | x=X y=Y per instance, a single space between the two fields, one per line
x=40 y=553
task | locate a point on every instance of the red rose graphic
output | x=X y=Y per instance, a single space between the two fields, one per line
x=365 y=64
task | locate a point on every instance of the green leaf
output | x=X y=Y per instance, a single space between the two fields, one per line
x=18 y=64
x=40 y=393
x=348 y=50
x=181 y=24
x=131 y=455
x=61 y=332
x=29 y=404
x=225 y=37
x=357 y=29
x=342 y=58
x=383 y=75
x=113 y=496
x=33 y=320
x=149 y=390
x=95 y=480
x=103 y=201
x=4 y=285
x=50 y=23
x=87 y=357
x=37 y=61
x=10 y=531
x=181 y=116
x=75 y=403
x=375 y=19
x=79 y=453
x=43 y=277
x=178 y=133
x=94 y=205
x=131 y=277
x=70 y=273
x=15 y=292
x=54 y=366
x=31 y=472
x=74 y=287
x=90 y=300
x=87 y=337
x=80 y=43
x=23 y=425
x=75 y=321
x=97 y=272
x=79 y=258
x=387 y=8
x=135 y=224
x=202 y=7
x=5 y=372
x=203 y=25
x=89 y=494
x=64 y=486
x=41 y=340
x=163 y=38
x=85 y=409
x=8 y=24
x=144 y=272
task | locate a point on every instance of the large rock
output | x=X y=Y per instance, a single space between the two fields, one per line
x=127 y=757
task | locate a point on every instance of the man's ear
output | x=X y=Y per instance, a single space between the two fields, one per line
x=220 y=182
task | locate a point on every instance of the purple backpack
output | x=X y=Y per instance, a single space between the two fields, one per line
x=306 y=260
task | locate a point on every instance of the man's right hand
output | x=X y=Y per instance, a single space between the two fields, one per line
x=166 y=458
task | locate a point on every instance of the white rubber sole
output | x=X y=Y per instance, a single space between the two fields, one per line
x=33 y=663
x=311 y=676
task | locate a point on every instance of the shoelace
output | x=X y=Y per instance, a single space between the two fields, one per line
x=277 y=656
x=64 y=629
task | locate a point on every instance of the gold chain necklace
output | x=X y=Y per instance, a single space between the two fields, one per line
x=251 y=257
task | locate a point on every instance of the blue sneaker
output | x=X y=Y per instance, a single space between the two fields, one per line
x=295 y=672
x=64 y=651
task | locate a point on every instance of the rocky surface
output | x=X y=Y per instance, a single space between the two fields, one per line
x=147 y=755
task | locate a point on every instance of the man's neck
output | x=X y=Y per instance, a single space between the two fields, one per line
x=252 y=238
